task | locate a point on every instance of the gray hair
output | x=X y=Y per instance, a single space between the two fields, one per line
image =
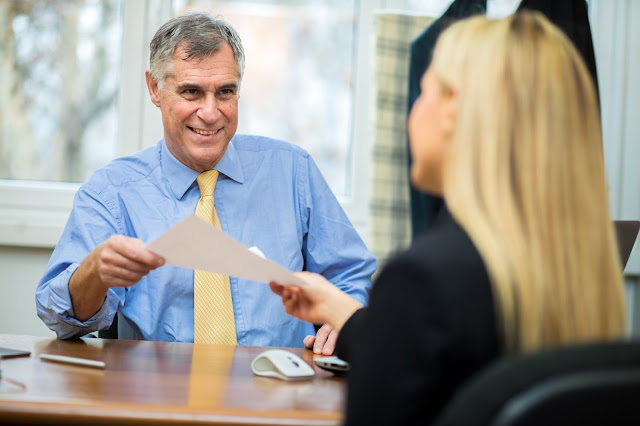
x=201 y=34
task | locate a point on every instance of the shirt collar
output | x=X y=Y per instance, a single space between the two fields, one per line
x=181 y=177
x=229 y=165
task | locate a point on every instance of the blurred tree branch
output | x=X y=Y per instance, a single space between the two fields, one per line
x=52 y=85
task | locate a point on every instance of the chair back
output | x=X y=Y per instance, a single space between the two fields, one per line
x=591 y=384
x=626 y=232
x=112 y=331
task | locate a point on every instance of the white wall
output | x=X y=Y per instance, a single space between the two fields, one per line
x=20 y=271
x=616 y=39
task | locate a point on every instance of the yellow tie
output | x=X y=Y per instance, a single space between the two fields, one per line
x=213 y=309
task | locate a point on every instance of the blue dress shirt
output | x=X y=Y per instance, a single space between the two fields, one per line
x=270 y=194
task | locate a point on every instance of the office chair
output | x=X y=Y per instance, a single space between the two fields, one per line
x=112 y=331
x=626 y=232
x=590 y=384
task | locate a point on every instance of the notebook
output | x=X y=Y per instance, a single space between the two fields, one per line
x=627 y=231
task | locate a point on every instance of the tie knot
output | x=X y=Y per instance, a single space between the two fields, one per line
x=207 y=182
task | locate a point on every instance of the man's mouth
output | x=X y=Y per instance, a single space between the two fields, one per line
x=204 y=132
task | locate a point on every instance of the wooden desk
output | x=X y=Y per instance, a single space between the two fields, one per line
x=158 y=383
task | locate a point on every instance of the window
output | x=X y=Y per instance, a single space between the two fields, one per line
x=306 y=96
x=287 y=92
x=61 y=61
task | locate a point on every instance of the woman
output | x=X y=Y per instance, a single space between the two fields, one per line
x=522 y=258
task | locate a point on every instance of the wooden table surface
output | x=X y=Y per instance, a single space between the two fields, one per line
x=158 y=383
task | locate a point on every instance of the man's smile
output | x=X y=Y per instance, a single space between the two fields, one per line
x=204 y=132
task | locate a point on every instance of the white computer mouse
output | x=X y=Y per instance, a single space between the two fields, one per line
x=281 y=364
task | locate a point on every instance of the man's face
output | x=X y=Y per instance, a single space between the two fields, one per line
x=199 y=105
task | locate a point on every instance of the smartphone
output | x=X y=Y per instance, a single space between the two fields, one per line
x=333 y=364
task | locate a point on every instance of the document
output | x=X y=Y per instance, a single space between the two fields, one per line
x=194 y=243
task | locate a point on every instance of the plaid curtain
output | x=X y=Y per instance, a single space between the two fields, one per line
x=389 y=209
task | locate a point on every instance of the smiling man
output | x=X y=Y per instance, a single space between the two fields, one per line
x=263 y=192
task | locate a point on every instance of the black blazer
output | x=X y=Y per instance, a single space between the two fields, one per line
x=429 y=326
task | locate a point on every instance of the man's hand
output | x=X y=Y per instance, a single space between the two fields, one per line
x=324 y=342
x=118 y=262
x=122 y=261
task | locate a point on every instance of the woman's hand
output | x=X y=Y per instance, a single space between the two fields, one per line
x=317 y=302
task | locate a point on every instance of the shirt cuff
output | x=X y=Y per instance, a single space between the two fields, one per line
x=60 y=300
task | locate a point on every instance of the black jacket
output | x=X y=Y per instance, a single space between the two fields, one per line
x=429 y=326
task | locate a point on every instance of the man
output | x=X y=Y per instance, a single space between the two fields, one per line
x=268 y=194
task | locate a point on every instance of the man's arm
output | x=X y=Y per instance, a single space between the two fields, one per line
x=333 y=249
x=118 y=262
x=73 y=278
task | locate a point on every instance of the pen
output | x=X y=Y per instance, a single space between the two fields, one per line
x=73 y=360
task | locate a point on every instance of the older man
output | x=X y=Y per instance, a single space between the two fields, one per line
x=268 y=194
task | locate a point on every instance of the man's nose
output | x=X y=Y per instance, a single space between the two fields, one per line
x=208 y=110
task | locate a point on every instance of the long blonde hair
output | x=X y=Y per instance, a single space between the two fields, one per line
x=525 y=178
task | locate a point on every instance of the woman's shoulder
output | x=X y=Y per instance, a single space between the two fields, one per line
x=444 y=250
x=443 y=278
x=441 y=283
x=442 y=270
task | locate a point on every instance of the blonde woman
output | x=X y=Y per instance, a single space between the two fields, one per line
x=522 y=258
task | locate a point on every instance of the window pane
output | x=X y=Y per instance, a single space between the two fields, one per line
x=59 y=67
x=298 y=81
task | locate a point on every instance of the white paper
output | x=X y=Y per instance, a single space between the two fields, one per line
x=194 y=243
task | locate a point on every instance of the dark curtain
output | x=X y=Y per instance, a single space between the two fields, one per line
x=569 y=15
x=424 y=206
x=572 y=17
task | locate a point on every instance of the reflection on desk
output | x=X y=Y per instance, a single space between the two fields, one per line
x=158 y=383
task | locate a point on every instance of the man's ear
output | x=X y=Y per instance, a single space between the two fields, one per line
x=152 y=85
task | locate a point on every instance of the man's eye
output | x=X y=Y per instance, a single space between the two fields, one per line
x=226 y=93
x=190 y=92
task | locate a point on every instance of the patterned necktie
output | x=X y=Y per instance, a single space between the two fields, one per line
x=213 y=309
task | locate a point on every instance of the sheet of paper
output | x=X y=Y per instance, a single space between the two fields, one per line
x=194 y=243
